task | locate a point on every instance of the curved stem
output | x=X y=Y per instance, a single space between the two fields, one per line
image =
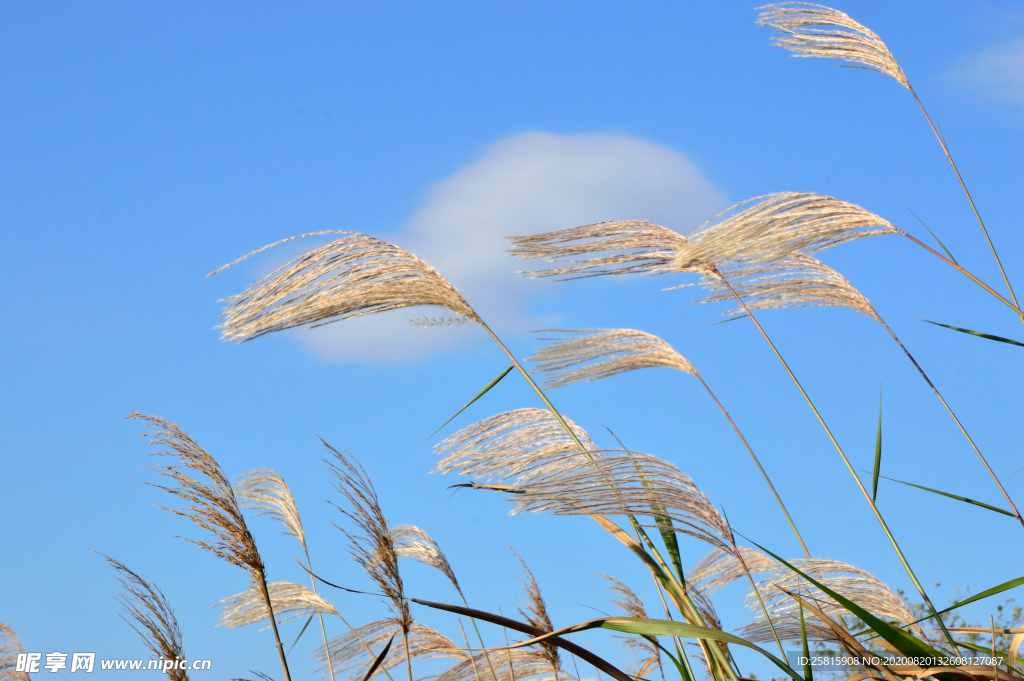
x=963 y=186
x=715 y=652
x=481 y=638
x=469 y=651
x=842 y=454
x=273 y=623
x=533 y=384
x=759 y=467
x=753 y=586
x=964 y=272
x=668 y=616
x=408 y=654
x=955 y=419
x=327 y=650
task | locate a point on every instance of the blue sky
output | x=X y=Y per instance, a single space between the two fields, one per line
x=145 y=145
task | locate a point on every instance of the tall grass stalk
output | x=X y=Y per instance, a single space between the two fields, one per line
x=849 y=466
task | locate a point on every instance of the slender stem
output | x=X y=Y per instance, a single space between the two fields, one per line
x=408 y=653
x=759 y=467
x=551 y=408
x=481 y=638
x=842 y=454
x=960 y=425
x=469 y=651
x=964 y=272
x=273 y=623
x=668 y=615
x=750 y=578
x=536 y=388
x=327 y=650
x=360 y=639
x=511 y=667
x=963 y=186
x=712 y=652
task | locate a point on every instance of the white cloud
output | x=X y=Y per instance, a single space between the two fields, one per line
x=525 y=184
x=996 y=74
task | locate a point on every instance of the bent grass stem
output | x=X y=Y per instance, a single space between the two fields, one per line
x=714 y=650
x=960 y=425
x=849 y=466
x=963 y=185
x=759 y=467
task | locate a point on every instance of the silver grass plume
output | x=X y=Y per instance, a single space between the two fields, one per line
x=765 y=228
x=371 y=544
x=412 y=542
x=352 y=276
x=612 y=351
x=510 y=665
x=212 y=506
x=778 y=587
x=290 y=601
x=440 y=322
x=795 y=281
x=622 y=483
x=643 y=647
x=349 y=653
x=536 y=615
x=810 y=30
x=643 y=248
x=265 y=491
x=603 y=353
x=10 y=648
x=720 y=567
x=855 y=584
x=157 y=626
x=758 y=230
x=510 y=445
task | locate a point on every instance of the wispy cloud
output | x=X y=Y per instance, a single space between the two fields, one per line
x=528 y=183
x=995 y=74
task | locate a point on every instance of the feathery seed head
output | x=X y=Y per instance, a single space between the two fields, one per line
x=796 y=281
x=371 y=544
x=810 y=30
x=637 y=247
x=145 y=603
x=348 y=651
x=10 y=648
x=412 y=542
x=622 y=483
x=720 y=567
x=349 y=277
x=265 y=491
x=759 y=230
x=536 y=613
x=439 y=322
x=212 y=505
x=774 y=226
x=645 y=648
x=511 y=444
x=288 y=599
x=508 y=665
x=631 y=605
x=610 y=351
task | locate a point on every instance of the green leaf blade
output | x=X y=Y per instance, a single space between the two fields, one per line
x=477 y=397
x=878 y=452
x=649 y=627
x=979 y=334
x=966 y=500
x=902 y=641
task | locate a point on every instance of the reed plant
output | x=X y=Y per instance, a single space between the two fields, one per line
x=757 y=255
